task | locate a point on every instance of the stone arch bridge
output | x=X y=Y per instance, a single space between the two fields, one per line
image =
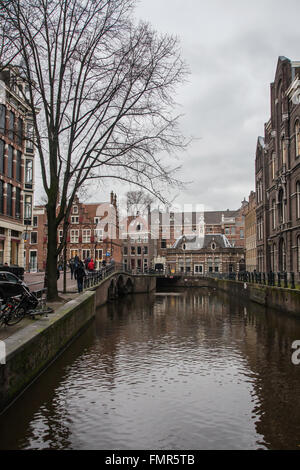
x=120 y=283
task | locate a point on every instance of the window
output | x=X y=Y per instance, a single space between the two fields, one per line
x=18 y=203
x=74 y=236
x=11 y=125
x=2 y=146
x=35 y=221
x=96 y=220
x=213 y=246
x=273 y=214
x=86 y=236
x=282 y=256
x=227 y=231
x=139 y=250
x=86 y=254
x=18 y=166
x=75 y=210
x=273 y=165
x=33 y=238
x=280 y=207
x=297 y=139
x=242 y=236
x=9 y=200
x=2 y=118
x=145 y=250
x=232 y=230
x=133 y=250
x=125 y=250
x=28 y=207
x=29 y=138
x=10 y=162
x=74 y=219
x=28 y=174
x=20 y=132
x=163 y=243
x=60 y=235
x=1 y=196
x=298 y=199
x=283 y=150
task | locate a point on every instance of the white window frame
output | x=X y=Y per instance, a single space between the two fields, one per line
x=86 y=235
x=74 y=236
x=74 y=219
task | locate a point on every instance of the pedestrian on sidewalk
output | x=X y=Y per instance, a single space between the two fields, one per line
x=76 y=265
x=80 y=275
x=91 y=265
x=72 y=267
x=86 y=262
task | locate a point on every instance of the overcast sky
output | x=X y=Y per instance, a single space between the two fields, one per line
x=232 y=48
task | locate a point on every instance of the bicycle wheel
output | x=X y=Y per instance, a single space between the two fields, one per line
x=15 y=316
x=2 y=319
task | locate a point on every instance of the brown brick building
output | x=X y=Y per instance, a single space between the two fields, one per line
x=278 y=175
x=16 y=167
x=93 y=232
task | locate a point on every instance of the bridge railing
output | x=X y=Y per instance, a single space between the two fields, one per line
x=279 y=279
x=93 y=278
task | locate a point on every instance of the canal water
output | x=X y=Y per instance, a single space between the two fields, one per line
x=178 y=370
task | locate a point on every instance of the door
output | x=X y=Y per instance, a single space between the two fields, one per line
x=33 y=261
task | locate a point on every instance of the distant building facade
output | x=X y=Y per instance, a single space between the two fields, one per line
x=250 y=233
x=93 y=233
x=278 y=175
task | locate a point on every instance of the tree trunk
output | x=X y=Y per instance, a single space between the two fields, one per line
x=51 y=273
x=65 y=269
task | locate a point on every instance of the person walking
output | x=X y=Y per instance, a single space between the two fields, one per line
x=91 y=265
x=72 y=267
x=76 y=265
x=80 y=275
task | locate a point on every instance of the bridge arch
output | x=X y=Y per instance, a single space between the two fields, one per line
x=111 y=293
x=129 y=286
x=120 y=285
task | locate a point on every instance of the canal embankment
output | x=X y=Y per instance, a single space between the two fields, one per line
x=32 y=348
x=29 y=350
x=276 y=298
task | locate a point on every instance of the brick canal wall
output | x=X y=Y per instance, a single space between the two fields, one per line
x=31 y=349
x=283 y=300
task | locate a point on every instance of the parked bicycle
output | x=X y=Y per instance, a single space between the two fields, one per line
x=28 y=304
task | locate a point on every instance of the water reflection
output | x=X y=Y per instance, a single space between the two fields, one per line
x=193 y=370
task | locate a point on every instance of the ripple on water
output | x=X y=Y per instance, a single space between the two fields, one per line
x=188 y=372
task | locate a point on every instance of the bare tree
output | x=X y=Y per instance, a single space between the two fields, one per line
x=138 y=201
x=101 y=90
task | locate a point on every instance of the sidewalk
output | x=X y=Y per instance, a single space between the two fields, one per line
x=35 y=281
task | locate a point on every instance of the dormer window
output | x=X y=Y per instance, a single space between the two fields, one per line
x=213 y=246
